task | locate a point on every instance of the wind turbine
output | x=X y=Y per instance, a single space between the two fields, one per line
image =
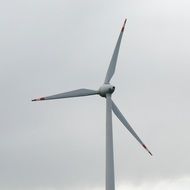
x=105 y=91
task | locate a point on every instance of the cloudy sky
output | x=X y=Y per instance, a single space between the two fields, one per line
x=49 y=47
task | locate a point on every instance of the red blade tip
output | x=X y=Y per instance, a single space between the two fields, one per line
x=39 y=99
x=123 y=25
x=147 y=150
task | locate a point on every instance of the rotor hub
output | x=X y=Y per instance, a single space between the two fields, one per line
x=106 y=89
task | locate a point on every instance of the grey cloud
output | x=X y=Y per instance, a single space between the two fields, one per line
x=54 y=46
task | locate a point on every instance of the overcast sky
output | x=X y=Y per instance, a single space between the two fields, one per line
x=48 y=47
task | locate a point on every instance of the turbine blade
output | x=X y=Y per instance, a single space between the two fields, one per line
x=126 y=124
x=110 y=180
x=113 y=61
x=74 y=93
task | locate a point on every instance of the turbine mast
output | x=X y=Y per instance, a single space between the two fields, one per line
x=110 y=179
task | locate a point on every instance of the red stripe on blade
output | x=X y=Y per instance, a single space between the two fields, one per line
x=147 y=149
x=123 y=25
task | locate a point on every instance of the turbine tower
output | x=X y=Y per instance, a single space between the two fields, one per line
x=105 y=91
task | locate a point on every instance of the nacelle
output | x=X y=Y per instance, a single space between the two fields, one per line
x=106 y=89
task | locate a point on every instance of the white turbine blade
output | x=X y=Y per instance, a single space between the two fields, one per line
x=126 y=124
x=110 y=180
x=113 y=62
x=74 y=93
